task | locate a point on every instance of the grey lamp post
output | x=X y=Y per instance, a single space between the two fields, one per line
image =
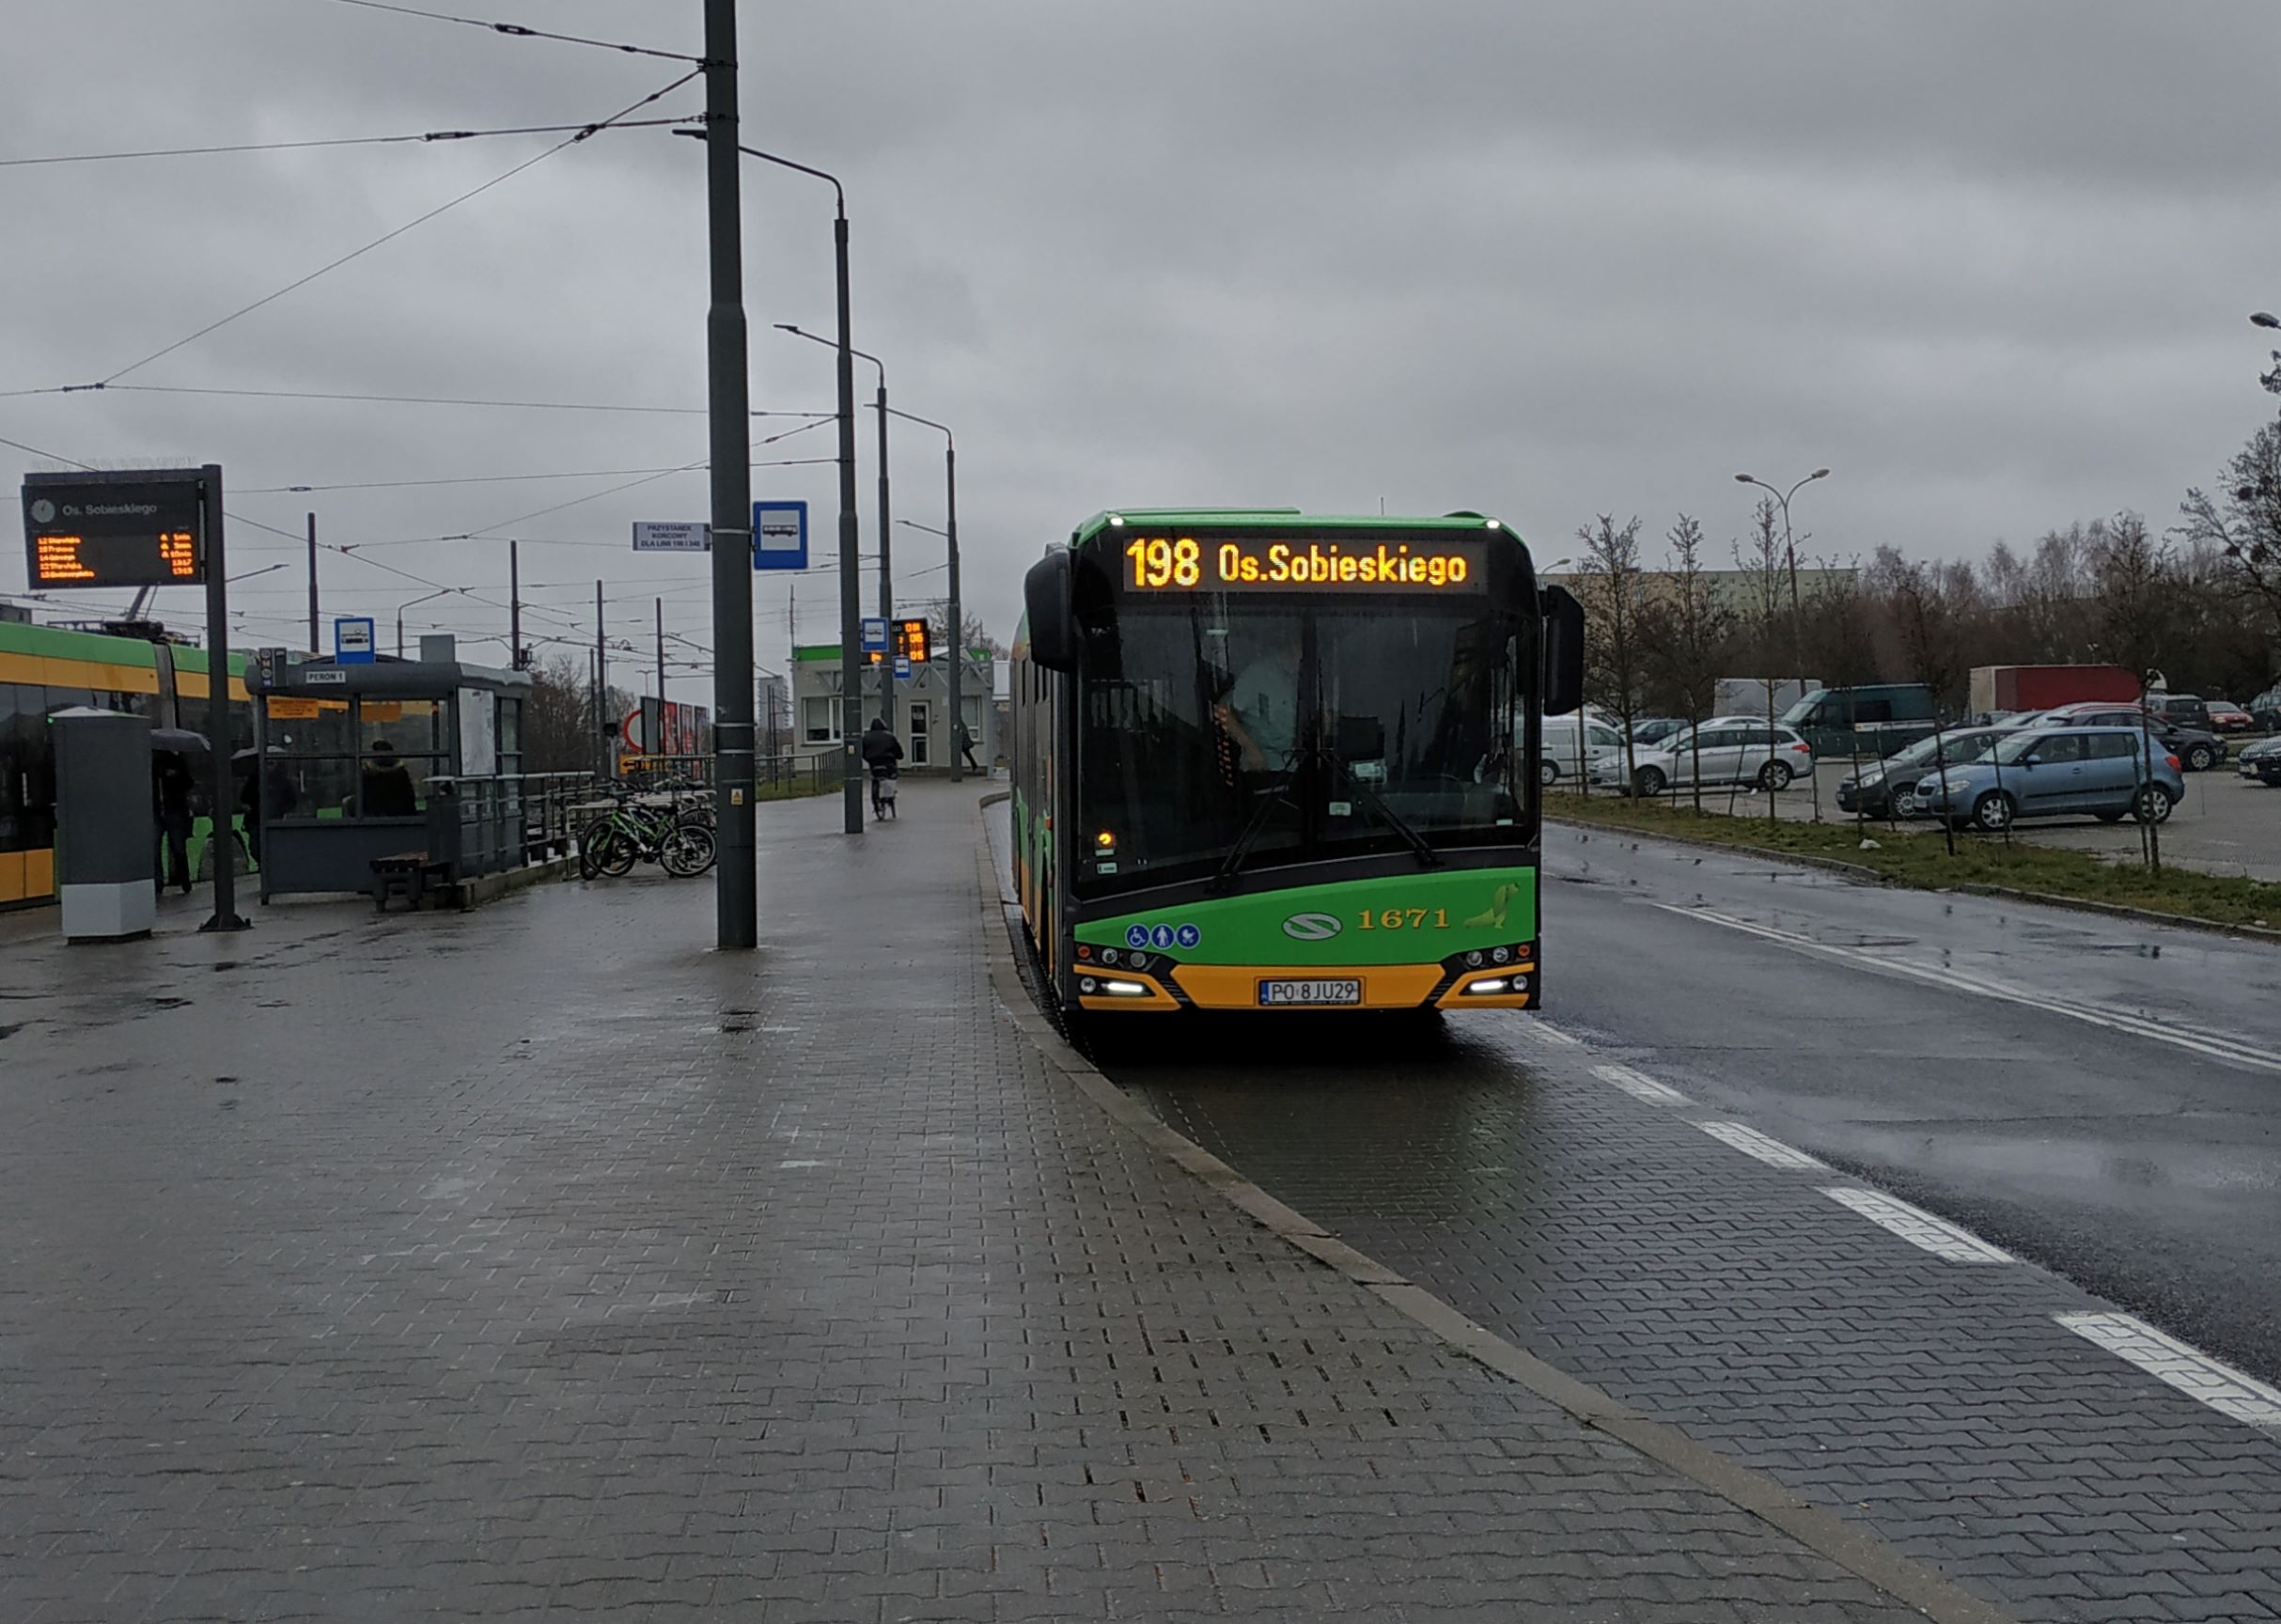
x=851 y=602
x=411 y=603
x=1789 y=553
x=958 y=622
x=886 y=564
x=1789 y=549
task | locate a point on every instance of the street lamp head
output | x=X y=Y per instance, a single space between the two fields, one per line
x=1819 y=473
x=2264 y=318
x=1746 y=480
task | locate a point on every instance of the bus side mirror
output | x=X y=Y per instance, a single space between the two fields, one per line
x=1048 y=598
x=1563 y=651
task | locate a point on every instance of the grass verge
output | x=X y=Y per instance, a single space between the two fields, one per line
x=1921 y=859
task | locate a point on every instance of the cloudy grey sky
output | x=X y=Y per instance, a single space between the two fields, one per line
x=1990 y=262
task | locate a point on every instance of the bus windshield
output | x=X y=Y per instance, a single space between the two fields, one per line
x=1225 y=732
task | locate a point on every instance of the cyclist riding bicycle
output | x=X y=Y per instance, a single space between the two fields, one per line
x=881 y=751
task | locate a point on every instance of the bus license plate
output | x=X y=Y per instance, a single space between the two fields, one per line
x=1316 y=991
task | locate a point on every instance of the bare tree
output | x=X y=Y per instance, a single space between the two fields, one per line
x=1614 y=590
x=978 y=634
x=2133 y=614
x=1760 y=562
x=561 y=727
x=1686 y=632
x=1926 y=624
x=2243 y=523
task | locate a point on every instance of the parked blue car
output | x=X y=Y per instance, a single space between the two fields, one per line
x=2046 y=772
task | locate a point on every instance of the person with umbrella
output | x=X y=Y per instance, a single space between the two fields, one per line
x=171 y=785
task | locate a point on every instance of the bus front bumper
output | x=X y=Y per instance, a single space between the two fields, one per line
x=1165 y=986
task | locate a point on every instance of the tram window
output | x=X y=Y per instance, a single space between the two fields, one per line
x=23 y=728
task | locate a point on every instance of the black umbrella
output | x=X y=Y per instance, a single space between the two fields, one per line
x=180 y=739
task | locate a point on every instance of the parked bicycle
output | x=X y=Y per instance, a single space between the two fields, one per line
x=675 y=834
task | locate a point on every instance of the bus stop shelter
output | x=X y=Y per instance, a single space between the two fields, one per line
x=345 y=755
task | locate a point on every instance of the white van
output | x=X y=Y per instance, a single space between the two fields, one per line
x=1571 y=743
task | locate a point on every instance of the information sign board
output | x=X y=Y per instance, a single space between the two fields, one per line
x=657 y=536
x=144 y=528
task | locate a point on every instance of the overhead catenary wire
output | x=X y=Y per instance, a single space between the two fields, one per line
x=409 y=224
x=495 y=478
x=519 y=31
x=383 y=400
x=424 y=138
x=615 y=490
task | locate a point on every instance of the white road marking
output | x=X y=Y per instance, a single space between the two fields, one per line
x=1769 y=1150
x=781 y=1166
x=1918 y=1228
x=1639 y=1086
x=2187 y=1370
x=2212 y=1044
x=1546 y=1033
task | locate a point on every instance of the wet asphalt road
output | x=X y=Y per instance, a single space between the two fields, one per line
x=2101 y=1097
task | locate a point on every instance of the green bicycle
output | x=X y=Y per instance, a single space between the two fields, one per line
x=633 y=832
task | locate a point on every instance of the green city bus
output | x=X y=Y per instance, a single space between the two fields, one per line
x=1263 y=760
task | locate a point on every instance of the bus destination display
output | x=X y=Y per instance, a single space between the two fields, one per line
x=1283 y=564
x=82 y=531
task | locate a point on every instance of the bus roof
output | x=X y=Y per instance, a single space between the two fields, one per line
x=1278 y=517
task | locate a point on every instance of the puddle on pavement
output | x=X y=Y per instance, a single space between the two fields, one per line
x=2077 y=1161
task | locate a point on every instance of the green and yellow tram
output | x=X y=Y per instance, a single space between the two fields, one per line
x=45 y=669
x=1264 y=759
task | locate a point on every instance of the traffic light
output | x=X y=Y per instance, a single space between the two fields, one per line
x=910 y=640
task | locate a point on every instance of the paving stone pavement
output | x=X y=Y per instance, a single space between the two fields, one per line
x=540 y=1262
x=1940 y=1403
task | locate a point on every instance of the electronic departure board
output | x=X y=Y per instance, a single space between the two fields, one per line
x=102 y=529
x=1175 y=562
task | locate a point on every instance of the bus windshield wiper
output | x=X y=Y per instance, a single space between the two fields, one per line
x=1427 y=856
x=1252 y=831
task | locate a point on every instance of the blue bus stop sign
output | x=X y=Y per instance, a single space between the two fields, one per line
x=780 y=535
x=902 y=668
x=352 y=642
x=874 y=636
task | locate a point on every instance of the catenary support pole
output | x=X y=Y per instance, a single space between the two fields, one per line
x=514 y=609
x=957 y=622
x=221 y=844
x=851 y=588
x=886 y=551
x=737 y=877
x=601 y=690
x=314 y=646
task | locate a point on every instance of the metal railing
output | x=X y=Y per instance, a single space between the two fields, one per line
x=811 y=773
x=479 y=825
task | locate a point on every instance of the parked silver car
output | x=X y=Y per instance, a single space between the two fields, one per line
x=1732 y=749
x=2044 y=771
